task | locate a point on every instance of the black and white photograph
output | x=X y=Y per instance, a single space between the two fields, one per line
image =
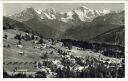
x=63 y=40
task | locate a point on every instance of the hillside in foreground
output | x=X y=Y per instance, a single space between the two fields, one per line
x=39 y=57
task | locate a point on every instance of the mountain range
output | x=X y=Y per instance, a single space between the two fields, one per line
x=81 y=14
x=79 y=24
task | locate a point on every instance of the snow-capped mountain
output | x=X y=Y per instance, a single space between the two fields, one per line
x=82 y=13
x=86 y=14
x=25 y=15
x=49 y=13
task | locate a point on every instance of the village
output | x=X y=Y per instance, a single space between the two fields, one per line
x=28 y=55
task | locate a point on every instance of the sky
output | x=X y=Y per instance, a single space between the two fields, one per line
x=12 y=8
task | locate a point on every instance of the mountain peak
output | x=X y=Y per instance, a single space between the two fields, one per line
x=30 y=8
x=25 y=15
x=84 y=7
x=49 y=13
x=106 y=11
x=38 y=11
x=50 y=10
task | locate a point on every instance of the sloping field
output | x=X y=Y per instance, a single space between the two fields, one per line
x=26 y=61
